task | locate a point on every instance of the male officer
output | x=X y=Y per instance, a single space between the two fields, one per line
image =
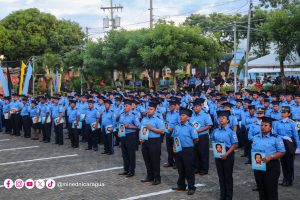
x=15 y=108
x=151 y=148
x=286 y=129
x=201 y=149
x=108 y=121
x=128 y=142
x=73 y=118
x=172 y=119
x=57 y=116
x=26 y=121
x=92 y=118
x=46 y=119
x=185 y=135
x=275 y=113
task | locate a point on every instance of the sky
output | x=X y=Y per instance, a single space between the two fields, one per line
x=135 y=13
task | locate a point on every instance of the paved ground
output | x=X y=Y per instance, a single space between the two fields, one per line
x=68 y=165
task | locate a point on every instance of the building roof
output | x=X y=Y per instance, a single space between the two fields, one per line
x=271 y=60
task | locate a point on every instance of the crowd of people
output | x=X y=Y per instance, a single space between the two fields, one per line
x=264 y=125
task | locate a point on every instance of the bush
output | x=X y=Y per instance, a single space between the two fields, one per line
x=224 y=89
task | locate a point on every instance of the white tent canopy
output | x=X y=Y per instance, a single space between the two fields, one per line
x=272 y=70
x=271 y=60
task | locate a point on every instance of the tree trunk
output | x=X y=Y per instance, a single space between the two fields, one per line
x=123 y=76
x=283 y=81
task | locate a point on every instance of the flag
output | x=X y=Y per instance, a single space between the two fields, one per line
x=23 y=66
x=27 y=79
x=4 y=82
x=9 y=80
x=47 y=72
x=60 y=77
x=56 y=81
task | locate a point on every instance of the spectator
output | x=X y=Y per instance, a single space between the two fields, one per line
x=145 y=82
x=118 y=83
x=138 y=83
x=167 y=82
x=206 y=82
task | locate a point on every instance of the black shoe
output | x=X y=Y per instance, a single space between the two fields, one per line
x=287 y=183
x=110 y=154
x=104 y=152
x=46 y=141
x=123 y=173
x=156 y=182
x=167 y=165
x=95 y=149
x=174 y=167
x=147 y=180
x=190 y=192
x=243 y=155
x=283 y=182
x=255 y=189
x=88 y=149
x=130 y=175
x=247 y=163
x=178 y=189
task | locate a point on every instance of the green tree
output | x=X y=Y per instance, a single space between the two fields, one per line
x=31 y=32
x=280 y=28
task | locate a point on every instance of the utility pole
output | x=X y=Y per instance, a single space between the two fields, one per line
x=151 y=14
x=111 y=8
x=234 y=53
x=248 y=44
x=87 y=33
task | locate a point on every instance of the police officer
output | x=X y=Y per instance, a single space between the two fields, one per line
x=15 y=108
x=249 y=121
x=108 y=118
x=92 y=118
x=73 y=118
x=185 y=135
x=286 y=129
x=7 y=116
x=57 y=116
x=151 y=148
x=46 y=119
x=128 y=142
x=272 y=145
x=202 y=122
x=172 y=119
x=26 y=122
x=275 y=113
x=35 y=116
x=225 y=134
x=82 y=106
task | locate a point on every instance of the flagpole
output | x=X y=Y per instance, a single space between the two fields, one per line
x=33 y=76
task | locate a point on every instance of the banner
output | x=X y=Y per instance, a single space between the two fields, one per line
x=59 y=80
x=56 y=81
x=27 y=79
x=23 y=66
x=4 y=82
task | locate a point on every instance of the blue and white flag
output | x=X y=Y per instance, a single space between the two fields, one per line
x=27 y=79
x=4 y=82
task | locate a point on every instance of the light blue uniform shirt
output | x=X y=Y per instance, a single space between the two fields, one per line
x=45 y=109
x=186 y=134
x=91 y=116
x=203 y=119
x=275 y=115
x=34 y=111
x=225 y=135
x=172 y=118
x=108 y=118
x=295 y=111
x=254 y=130
x=268 y=144
x=16 y=105
x=56 y=109
x=155 y=122
x=285 y=127
x=6 y=107
x=131 y=119
x=25 y=110
x=72 y=113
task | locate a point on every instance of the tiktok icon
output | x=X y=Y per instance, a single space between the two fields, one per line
x=50 y=184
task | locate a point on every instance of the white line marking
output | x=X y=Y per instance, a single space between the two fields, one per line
x=30 y=147
x=80 y=173
x=38 y=159
x=4 y=140
x=156 y=193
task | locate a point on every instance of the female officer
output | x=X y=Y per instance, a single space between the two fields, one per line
x=286 y=129
x=273 y=147
x=224 y=134
x=36 y=122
